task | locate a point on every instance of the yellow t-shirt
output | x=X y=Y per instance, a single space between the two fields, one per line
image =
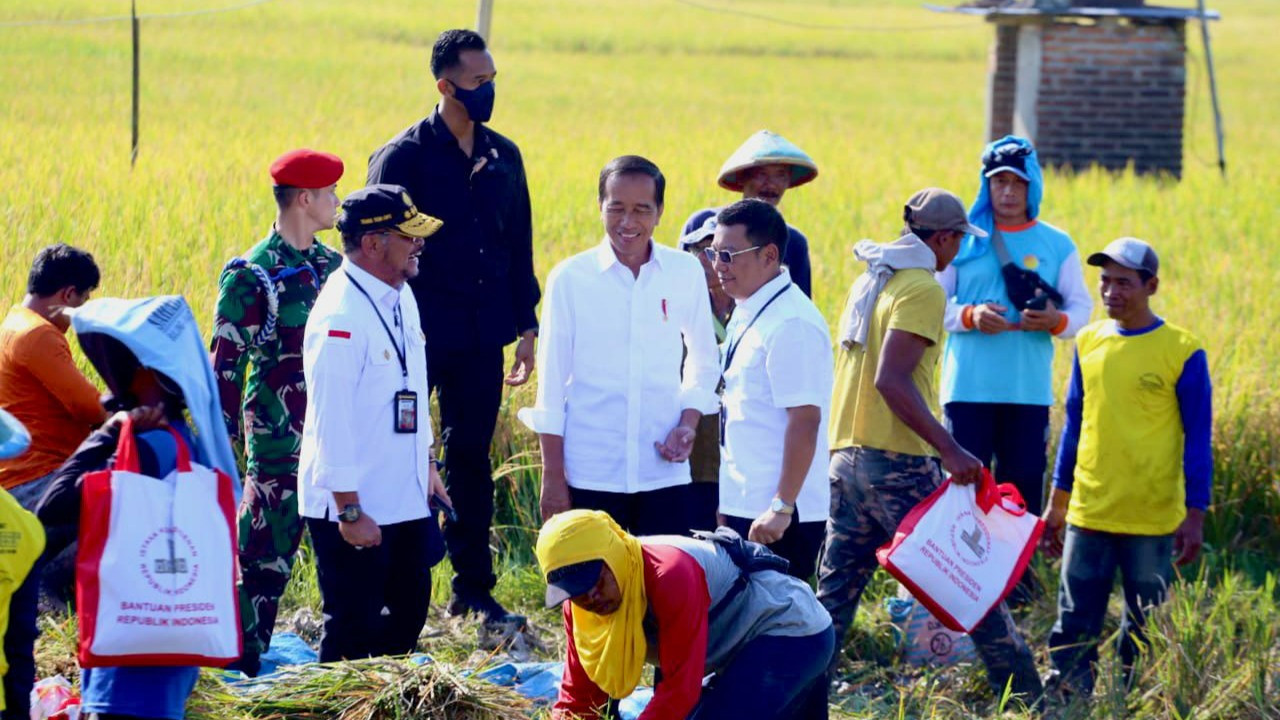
x=21 y=542
x=913 y=301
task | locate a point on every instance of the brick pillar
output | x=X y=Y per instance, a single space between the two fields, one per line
x=1111 y=93
x=1001 y=81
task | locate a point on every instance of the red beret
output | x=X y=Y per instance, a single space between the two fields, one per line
x=305 y=168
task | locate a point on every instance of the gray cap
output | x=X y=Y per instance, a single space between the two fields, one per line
x=936 y=209
x=1128 y=252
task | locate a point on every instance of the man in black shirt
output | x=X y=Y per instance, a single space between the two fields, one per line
x=476 y=291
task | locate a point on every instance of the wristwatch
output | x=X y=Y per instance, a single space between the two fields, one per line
x=780 y=506
x=350 y=513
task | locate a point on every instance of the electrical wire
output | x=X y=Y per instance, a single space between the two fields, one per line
x=819 y=26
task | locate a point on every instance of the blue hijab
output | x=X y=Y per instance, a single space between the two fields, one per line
x=982 y=215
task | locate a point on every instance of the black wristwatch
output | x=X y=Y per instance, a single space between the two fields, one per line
x=350 y=513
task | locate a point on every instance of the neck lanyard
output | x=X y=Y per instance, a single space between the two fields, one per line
x=733 y=346
x=400 y=354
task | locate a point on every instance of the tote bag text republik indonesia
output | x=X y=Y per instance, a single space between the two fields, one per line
x=962 y=549
x=156 y=569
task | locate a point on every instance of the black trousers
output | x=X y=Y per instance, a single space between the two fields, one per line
x=468 y=385
x=357 y=584
x=654 y=512
x=799 y=544
x=1010 y=439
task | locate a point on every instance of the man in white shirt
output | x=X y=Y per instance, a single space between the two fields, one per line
x=366 y=470
x=615 y=411
x=777 y=390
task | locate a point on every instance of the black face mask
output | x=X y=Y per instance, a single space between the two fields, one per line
x=478 y=102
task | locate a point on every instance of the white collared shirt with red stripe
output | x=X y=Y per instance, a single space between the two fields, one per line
x=353 y=373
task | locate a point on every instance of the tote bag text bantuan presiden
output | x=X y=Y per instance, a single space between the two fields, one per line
x=156 y=570
x=962 y=549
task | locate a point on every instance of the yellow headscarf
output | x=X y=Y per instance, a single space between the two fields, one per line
x=610 y=647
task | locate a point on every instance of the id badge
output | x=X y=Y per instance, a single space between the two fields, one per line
x=406 y=412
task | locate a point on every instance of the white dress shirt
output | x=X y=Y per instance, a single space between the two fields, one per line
x=609 y=368
x=353 y=372
x=783 y=360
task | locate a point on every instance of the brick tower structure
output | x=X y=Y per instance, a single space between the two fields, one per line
x=1090 y=82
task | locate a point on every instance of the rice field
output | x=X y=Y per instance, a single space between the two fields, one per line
x=884 y=95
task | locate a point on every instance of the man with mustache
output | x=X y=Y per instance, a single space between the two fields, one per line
x=367 y=475
x=764 y=168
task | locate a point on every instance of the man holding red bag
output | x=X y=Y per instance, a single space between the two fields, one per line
x=889 y=450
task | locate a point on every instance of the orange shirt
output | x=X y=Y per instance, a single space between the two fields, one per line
x=41 y=386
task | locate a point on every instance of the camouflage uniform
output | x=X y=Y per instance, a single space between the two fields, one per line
x=274 y=403
x=871 y=492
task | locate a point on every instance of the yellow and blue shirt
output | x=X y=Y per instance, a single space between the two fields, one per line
x=1135 y=450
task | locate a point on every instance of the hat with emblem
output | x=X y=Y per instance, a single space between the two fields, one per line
x=384 y=206
x=1128 y=252
x=305 y=168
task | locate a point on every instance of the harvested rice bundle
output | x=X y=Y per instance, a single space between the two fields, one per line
x=374 y=689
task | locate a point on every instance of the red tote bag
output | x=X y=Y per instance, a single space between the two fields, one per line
x=157 y=565
x=962 y=549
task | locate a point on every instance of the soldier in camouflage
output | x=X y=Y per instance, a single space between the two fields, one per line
x=889 y=450
x=264 y=298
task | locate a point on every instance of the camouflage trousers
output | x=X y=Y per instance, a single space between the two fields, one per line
x=270 y=530
x=871 y=492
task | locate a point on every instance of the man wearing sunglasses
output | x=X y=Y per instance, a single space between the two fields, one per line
x=777 y=390
x=997 y=363
x=616 y=407
x=367 y=474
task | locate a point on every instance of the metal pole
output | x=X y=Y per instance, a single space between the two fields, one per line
x=133 y=16
x=484 y=14
x=1213 y=89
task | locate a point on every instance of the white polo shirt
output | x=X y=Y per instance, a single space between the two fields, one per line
x=353 y=372
x=609 y=365
x=783 y=360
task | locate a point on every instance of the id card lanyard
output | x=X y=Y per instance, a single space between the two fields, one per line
x=404 y=405
x=733 y=349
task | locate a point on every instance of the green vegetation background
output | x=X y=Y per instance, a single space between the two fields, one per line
x=888 y=98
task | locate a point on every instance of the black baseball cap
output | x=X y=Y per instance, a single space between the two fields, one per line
x=572 y=580
x=385 y=206
x=1008 y=157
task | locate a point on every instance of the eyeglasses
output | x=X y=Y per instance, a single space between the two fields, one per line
x=414 y=241
x=725 y=257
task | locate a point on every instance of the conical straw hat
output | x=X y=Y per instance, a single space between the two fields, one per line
x=767 y=148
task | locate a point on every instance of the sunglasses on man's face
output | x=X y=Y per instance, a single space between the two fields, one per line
x=725 y=257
